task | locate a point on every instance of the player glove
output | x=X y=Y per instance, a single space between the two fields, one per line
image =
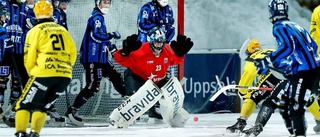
x=31 y=22
x=166 y=21
x=115 y=35
x=131 y=43
x=182 y=45
x=169 y=21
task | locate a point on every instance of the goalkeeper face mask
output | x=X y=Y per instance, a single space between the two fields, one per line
x=156 y=48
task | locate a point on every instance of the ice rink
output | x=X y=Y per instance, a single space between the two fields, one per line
x=209 y=125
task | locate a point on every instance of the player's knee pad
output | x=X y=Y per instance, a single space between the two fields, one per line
x=268 y=102
x=311 y=100
x=3 y=83
x=15 y=89
x=255 y=96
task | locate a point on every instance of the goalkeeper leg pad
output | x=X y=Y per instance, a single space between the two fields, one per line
x=171 y=104
x=136 y=105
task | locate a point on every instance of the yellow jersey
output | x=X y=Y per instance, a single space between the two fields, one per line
x=315 y=26
x=49 y=51
x=249 y=71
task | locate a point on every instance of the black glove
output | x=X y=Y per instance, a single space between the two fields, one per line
x=131 y=43
x=182 y=45
x=115 y=35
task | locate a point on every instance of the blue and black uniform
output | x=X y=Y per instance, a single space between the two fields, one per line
x=152 y=15
x=13 y=56
x=94 y=57
x=296 y=43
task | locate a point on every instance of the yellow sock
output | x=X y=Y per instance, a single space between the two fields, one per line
x=37 y=121
x=314 y=110
x=22 y=120
x=247 y=108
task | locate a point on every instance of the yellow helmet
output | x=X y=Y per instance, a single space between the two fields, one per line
x=253 y=46
x=43 y=9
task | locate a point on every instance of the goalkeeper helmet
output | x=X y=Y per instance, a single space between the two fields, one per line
x=43 y=9
x=278 y=9
x=156 y=38
x=253 y=46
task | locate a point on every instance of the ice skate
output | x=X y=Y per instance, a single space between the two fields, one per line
x=317 y=127
x=33 y=134
x=21 y=134
x=73 y=116
x=252 y=132
x=237 y=127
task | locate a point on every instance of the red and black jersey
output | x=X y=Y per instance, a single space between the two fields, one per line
x=145 y=64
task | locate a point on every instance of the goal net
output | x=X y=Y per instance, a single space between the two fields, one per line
x=122 y=17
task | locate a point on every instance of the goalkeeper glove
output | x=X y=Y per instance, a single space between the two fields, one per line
x=115 y=35
x=130 y=44
x=182 y=45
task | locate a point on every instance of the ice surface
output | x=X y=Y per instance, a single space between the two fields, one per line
x=209 y=125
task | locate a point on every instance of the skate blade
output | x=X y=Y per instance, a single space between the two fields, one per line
x=74 y=121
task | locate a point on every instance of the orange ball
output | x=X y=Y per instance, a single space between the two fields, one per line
x=195 y=119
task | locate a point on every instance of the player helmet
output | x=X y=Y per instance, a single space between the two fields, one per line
x=43 y=9
x=15 y=1
x=156 y=35
x=253 y=46
x=278 y=9
x=4 y=11
x=56 y=3
x=97 y=2
x=162 y=3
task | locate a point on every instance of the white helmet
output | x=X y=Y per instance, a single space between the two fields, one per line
x=163 y=3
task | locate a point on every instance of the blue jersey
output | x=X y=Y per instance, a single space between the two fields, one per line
x=150 y=16
x=3 y=36
x=60 y=17
x=294 y=41
x=16 y=25
x=96 y=40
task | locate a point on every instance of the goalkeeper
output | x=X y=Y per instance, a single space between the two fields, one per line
x=156 y=13
x=253 y=97
x=94 y=58
x=150 y=60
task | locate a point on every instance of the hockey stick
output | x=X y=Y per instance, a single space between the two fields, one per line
x=225 y=92
x=215 y=96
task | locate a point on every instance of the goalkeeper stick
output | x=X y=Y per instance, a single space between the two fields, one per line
x=215 y=96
